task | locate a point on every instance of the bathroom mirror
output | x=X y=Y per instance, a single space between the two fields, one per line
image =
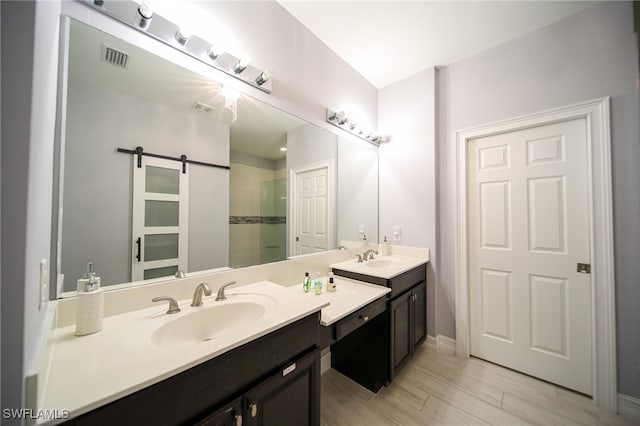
x=221 y=183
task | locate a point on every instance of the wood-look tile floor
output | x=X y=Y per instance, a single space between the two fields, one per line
x=441 y=389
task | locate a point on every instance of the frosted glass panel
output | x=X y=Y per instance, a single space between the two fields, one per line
x=161 y=180
x=160 y=272
x=161 y=213
x=160 y=247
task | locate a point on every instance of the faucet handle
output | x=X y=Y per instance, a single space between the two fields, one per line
x=359 y=258
x=220 y=296
x=173 y=305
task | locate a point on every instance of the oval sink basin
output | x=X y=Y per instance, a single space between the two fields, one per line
x=381 y=263
x=207 y=324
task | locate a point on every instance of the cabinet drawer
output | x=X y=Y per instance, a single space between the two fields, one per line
x=360 y=317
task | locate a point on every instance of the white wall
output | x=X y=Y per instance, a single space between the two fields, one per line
x=587 y=56
x=29 y=83
x=408 y=174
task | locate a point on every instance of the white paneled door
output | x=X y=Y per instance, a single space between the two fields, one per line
x=530 y=293
x=311 y=211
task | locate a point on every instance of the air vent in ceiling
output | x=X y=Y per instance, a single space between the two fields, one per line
x=115 y=57
x=199 y=106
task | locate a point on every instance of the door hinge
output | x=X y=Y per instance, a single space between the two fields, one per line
x=584 y=268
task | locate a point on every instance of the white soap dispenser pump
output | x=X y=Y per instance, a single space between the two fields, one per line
x=90 y=304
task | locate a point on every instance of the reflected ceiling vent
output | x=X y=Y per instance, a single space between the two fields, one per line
x=115 y=57
x=199 y=106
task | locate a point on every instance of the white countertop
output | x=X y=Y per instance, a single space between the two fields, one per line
x=385 y=267
x=90 y=371
x=350 y=295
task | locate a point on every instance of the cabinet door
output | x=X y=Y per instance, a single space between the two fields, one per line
x=419 y=313
x=229 y=415
x=400 y=311
x=288 y=398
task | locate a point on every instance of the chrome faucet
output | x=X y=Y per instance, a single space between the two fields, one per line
x=220 y=295
x=341 y=247
x=197 y=294
x=369 y=253
x=359 y=258
x=173 y=305
x=180 y=274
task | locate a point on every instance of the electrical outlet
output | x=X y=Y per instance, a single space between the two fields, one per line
x=44 y=283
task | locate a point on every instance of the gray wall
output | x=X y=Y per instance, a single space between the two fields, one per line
x=408 y=174
x=97 y=205
x=586 y=56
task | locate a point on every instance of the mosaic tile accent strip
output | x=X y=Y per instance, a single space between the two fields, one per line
x=256 y=220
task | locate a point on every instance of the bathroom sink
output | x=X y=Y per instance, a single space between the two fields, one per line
x=382 y=264
x=208 y=323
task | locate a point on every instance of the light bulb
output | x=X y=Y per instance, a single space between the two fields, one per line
x=214 y=51
x=263 y=77
x=144 y=15
x=283 y=148
x=183 y=35
x=242 y=64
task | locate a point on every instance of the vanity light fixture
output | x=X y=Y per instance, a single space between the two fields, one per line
x=139 y=16
x=283 y=148
x=340 y=119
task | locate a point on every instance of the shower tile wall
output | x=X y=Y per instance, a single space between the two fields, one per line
x=257 y=219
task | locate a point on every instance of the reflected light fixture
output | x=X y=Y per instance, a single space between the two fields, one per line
x=144 y=15
x=231 y=97
x=283 y=148
x=340 y=119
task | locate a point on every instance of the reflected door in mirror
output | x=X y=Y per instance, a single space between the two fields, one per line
x=160 y=213
x=311 y=218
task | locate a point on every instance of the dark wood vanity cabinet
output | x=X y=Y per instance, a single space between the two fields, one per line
x=273 y=380
x=406 y=324
x=287 y=398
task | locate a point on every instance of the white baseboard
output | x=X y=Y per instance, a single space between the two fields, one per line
x=431 y=340
x=445 y=345
x=629 y=407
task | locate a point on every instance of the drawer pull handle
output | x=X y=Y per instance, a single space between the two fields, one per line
x=238 y=419
x=365 y=318
x=254 y=410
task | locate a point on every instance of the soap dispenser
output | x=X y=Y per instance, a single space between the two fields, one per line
x=384 y=247
x=90 y=303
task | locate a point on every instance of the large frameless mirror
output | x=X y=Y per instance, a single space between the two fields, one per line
x=163 y=170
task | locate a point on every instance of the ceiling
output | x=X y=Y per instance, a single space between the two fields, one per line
x=387 y=41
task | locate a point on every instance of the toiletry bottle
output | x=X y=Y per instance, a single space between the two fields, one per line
x=331 y=285
x=364 y=240
x=90 y=304
x=384 y=247
x=317 y=284
x=306 y=283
